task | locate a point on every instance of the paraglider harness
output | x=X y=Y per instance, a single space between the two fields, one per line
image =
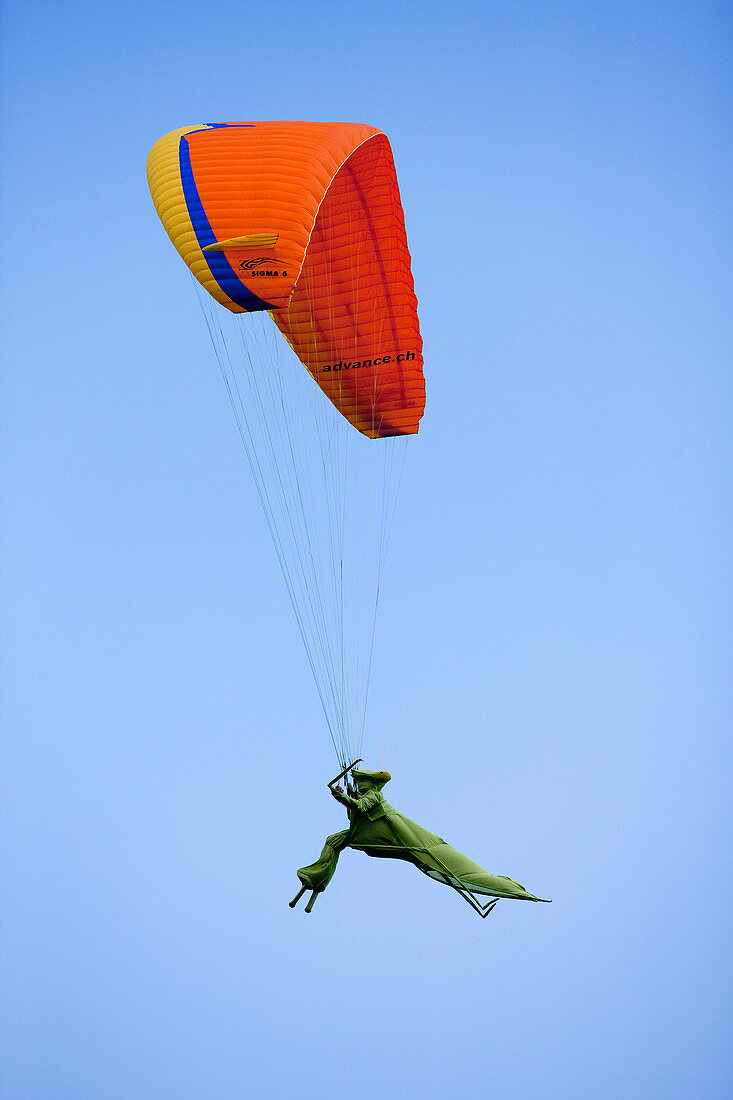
x=482 y=908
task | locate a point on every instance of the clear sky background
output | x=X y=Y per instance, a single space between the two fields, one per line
x=553 y=657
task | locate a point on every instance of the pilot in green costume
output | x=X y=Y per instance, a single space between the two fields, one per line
x=379 y=830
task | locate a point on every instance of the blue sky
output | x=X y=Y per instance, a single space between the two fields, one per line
x=553 y=658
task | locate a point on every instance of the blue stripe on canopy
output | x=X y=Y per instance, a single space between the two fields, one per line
x=219 y=266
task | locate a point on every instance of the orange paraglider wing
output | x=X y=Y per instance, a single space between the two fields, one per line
x=304 y=219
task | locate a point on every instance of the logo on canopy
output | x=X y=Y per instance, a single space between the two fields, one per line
x=254 y=267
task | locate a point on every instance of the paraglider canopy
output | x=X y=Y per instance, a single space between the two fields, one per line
x=304 y=219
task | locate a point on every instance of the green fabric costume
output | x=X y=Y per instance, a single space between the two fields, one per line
x=379 y=830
